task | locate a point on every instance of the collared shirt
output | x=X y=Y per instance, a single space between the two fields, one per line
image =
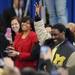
x=54 y=50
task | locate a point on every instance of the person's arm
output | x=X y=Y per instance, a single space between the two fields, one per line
x=41 y=31
x=39 y=27
x=71 y=60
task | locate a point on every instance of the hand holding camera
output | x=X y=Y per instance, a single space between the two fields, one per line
x=11 y=52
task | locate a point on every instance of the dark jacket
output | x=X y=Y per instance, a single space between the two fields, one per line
x=63 y=52
x=3 y=44
x=61 y=56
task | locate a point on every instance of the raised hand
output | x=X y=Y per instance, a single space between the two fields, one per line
x=38 y=9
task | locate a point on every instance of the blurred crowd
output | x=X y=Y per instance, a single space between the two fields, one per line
x=33 y=46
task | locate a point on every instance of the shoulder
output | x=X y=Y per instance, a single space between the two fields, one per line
x=68 y=45
x=32 y=34
x=71 y=61
x=18 y=35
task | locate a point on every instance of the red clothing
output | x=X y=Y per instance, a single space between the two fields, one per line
x=24 y=46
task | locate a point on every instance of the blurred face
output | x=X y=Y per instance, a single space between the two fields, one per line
x=48 y=29
x=26 y=26
x=57 y=36
x=15 y=25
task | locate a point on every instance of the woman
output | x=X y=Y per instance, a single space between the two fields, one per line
x=15 y=27
x=23 y=44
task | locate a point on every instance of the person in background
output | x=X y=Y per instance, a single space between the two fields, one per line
x=17 y=9
x=3 y=41
x=2 y=27
x=23 y=44
x=71 y=27
x=69 y=35
x=15 y=26
x=40 y=27
x=63 y=71
x=3 y=45
x=28 y=71
x=48 y=28
x=57 y=10
x=64 y=51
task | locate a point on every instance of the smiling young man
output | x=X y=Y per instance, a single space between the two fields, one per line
x=63 y=52
x=64 y=49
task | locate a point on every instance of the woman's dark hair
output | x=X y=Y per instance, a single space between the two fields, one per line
x=15 y=17
x=26 y=18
